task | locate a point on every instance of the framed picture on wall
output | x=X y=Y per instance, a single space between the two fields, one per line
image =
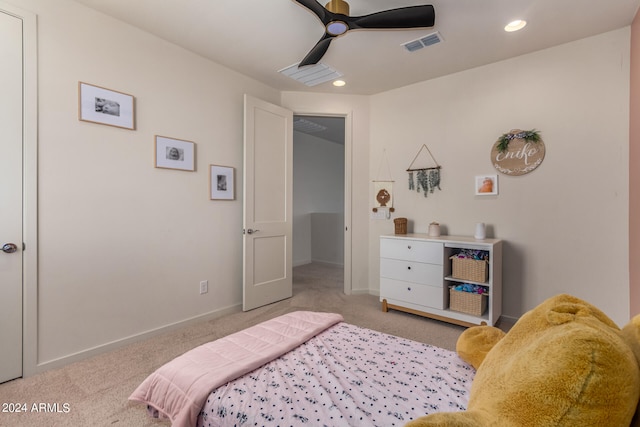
x=486 y=185
x=222 y=182
x=174 y=153
x=105 y=106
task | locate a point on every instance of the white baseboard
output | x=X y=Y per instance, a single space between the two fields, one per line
x=84 y=354
x=322 y=261
x=298 y=263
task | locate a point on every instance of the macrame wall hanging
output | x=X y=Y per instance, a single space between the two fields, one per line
x=383 y=190
x=427 y=179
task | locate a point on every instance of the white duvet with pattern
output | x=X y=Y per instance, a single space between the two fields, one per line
x=345 y=376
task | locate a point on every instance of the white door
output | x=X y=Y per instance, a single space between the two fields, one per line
x=268 y=197
x=11 y=139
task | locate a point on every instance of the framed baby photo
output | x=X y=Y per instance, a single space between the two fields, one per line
x=486 y=185
x=105 y=106
x=174 y=153
x=222 y=182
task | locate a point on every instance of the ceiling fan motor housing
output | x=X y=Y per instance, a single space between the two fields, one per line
x=338 y=6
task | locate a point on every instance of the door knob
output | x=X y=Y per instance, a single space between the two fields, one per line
x=9 y=248
x=251 y=231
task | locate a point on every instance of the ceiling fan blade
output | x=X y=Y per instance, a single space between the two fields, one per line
x=318 y=51
x=337 y=24
x=404 y=17
x=317 y=9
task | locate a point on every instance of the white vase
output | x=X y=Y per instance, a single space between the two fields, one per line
x=434 y=229
x=480 y=233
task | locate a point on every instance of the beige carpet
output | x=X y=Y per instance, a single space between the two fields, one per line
x=95 y=391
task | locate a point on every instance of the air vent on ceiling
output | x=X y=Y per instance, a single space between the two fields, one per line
x=307 y=126
x=311 y=75
x=422 y=42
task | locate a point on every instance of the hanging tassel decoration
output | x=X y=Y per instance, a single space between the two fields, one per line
x=434 y=180
x=427 y=179
x=423 y=181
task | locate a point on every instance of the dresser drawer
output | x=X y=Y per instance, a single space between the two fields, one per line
x=429 y=296
x=408 y=271
x=412 y=250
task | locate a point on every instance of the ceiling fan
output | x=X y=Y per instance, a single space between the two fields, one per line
x=336 y=20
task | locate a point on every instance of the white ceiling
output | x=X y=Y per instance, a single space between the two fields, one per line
x=260 y=37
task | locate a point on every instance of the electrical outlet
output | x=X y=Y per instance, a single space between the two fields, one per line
x=204 y=287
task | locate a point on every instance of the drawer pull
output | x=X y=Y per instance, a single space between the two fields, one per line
x=409 y=247
x=409 y=288
x=409 y=267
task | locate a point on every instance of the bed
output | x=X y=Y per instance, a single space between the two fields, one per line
x=307 y=368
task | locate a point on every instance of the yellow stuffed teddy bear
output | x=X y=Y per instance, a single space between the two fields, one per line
x=564 y=363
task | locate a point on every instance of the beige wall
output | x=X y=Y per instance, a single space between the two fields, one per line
x=565 y=224
x=634 y=170
x=123 y=245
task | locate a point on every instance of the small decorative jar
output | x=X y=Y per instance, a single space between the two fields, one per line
x=434 y=229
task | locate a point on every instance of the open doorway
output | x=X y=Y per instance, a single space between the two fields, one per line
x=319 y=191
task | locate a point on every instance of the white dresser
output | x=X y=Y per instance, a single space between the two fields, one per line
x=415 y=275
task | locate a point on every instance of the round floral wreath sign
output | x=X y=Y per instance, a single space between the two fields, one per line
x=518 y=152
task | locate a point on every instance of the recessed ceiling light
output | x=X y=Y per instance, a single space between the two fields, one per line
x=339 y=83
x=515 y=25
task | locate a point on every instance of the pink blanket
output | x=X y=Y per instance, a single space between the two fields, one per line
x=179 y=389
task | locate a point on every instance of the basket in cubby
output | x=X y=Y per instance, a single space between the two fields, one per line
x=474 y=270
x=467 y=302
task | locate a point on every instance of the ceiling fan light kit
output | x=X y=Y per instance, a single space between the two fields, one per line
x=336 y=20
x=337 y=28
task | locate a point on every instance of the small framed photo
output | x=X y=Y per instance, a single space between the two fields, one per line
x=221 y=182
x=174 y=153
x=486 y=185
x=108 y=107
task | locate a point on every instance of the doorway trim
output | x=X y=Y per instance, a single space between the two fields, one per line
x=30 y=188
x=348 y=147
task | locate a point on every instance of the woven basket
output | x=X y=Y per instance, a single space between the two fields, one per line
x=470 y=269
x=467 y=302
x=401 y=225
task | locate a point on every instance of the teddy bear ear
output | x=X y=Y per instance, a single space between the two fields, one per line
x=631 y=335
x=474 y=343
x=566 y=308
